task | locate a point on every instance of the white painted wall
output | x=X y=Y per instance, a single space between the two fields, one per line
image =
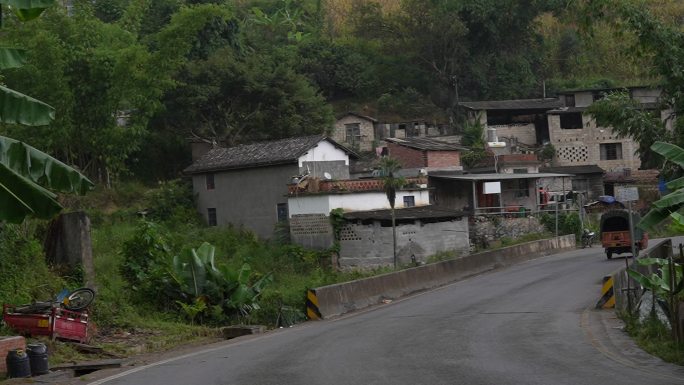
x=324 y=151
x=360 y=201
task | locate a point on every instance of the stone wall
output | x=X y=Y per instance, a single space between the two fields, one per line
x=369 y=246
x=485 y=230
x=365 y=142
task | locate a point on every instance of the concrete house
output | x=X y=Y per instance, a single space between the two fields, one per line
x=366 y=236
x=310 y=207
x=491 y=193
x=587 y=180
x=579 y=141
x=247 y=185
x=564 y=123
x=521 y=121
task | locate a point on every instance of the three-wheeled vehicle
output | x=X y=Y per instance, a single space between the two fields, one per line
x=615 y=235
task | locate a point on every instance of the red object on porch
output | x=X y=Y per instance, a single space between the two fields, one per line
x=58 y=323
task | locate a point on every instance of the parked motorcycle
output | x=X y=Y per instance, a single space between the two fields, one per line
x=587 y=238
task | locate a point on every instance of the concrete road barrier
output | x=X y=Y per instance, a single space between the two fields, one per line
x=341 y=298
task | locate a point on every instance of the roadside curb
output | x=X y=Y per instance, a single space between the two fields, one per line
x=605 y=332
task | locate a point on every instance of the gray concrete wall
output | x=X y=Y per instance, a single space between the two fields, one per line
x=313 y=231
x=337 y=168
x=246 y=197
x=370 y=246
x=334 y=300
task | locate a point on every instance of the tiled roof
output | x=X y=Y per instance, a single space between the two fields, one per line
x=370 y=118
x=427 y=143
x=577 y=170
x=519 y=104
x=258 y=154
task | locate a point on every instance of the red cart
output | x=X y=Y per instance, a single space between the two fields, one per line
x=57 y=323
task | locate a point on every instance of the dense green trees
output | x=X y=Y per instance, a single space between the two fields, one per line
x=131 y=80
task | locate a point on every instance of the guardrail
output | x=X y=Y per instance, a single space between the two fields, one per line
x=334 y=300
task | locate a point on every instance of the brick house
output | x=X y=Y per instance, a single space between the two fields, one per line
x=425 y=153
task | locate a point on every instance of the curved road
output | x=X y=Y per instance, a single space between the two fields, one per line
x=528 y=324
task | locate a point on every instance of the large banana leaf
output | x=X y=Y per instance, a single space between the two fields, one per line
x=675 y=184
x=11 y=58
x=653 y=217
x=670 y=203
x=28 y=4
x=28 y=9
x=17 y=108
x=41 y=168
x=672 y=200
x=25 y=176
x=20 y=197
x=671 y=152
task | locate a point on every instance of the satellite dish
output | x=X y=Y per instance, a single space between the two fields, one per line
x=327 y=175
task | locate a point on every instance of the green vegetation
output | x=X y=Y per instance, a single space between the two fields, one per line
x=567 y=223
x=655 y=338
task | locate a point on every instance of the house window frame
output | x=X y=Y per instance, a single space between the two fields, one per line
x=352 y=133
x=570 y=100
x=570 y=121
x=409 y=201
x=210 y=181
x=611 y=151
x=212 y=219
x=282 y=212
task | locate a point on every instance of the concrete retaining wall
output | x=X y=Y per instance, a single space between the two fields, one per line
x=334 y=300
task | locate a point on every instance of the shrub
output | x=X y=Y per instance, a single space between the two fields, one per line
x=145 y=262
x=25 y=274
x=172 y=202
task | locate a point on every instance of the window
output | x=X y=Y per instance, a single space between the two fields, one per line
x=409 y=201
x=353 y=132
x=210 y=181
x=611 y=151
x=570 y=100
x=211 y=216
x=519 y=171
x=281 y=212
x=523 y=188
x=571 y=121
x=580 y=184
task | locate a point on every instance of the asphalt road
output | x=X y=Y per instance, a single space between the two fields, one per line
x=533 y=323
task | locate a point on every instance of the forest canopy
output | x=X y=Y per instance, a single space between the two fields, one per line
x=132 y=81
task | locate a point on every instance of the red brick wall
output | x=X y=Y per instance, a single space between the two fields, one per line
x=7 y=344
x=443 y=158
x=407 y=157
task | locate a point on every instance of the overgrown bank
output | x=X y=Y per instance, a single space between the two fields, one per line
x=161 y=275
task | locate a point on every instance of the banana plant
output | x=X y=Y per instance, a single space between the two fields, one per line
x=666 y=283
x=26 y=174
x=197 y=275
x=244 y=297
x=671 y=205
